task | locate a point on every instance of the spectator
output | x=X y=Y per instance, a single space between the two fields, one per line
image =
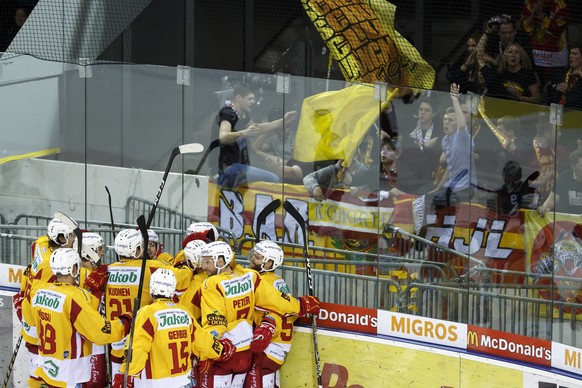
x=565 y=87
x=457 y=146
x=505 y=141
x=235 y=126
x=515 y=193
x=514 y=78
x=367 y=180
x=546 y=147
x=274 y=149
x=331 y=177
x=464 y=71
x=421 y=151
x=567 y=195
x=546 y=22
x=500 y=32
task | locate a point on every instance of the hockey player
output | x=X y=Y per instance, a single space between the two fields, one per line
x=165 y=338
x=66 y=322
x=229 y=300
x=92 y=251
x=155 y=250
x=190 y=299
x=204 y=231
x=121 y=282
x=37 y=274
x=272 y=338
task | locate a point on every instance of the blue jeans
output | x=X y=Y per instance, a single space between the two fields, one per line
x=240 y=174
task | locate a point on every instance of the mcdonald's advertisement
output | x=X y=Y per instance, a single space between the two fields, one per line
x=502 y=344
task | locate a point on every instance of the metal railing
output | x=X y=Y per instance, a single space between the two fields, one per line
x=540 y=306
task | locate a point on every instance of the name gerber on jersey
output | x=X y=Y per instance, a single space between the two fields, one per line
x=172 y=318
x=124 y=276
x=50 y=300
x=238 y=286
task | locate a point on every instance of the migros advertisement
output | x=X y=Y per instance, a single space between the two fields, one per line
x=422 y=329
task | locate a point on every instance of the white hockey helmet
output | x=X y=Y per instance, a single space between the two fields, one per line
x=163 y=283
x=192 y=253
x=153 y=236
x=217 y=249
x=57 y=227
x=270 y=251
x=127 y=242
x=90 y=247
x=63 y=261
x=205 y=229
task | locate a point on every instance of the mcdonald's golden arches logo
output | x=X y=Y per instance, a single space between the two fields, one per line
x=472 y=338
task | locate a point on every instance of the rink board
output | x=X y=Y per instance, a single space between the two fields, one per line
x=361 y=361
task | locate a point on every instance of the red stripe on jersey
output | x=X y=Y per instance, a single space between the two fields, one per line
x=149 y=328
x=197 y=298
x=148 y=368
x=219 y=289
x=257 y=281
x=75 y=311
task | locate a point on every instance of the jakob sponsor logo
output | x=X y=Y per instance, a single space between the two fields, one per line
x=125 y=276
x=50 y=300
x=281 y=286
x=238 y=286
x=172 y=318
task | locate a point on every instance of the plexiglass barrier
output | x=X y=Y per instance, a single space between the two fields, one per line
x=455 y=207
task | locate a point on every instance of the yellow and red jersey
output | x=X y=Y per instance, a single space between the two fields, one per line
x=68 y=325
x=281 y=341
x=122 y=286
x=229 y=301
x=39 y=275
x=191 y=298
x=165 y=337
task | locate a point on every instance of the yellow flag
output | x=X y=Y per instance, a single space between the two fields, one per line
x=361 y=38
x=333 y=124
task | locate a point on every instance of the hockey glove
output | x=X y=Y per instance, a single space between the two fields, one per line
x=97 y=279
x=118 y=381
x=126 y=321
x=262 y=335
x=228 y=350
x=17 y=302
x=309 y=306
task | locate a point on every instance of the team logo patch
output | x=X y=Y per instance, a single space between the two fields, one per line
x=106 y=328
x=216 y=346
x=216 y=320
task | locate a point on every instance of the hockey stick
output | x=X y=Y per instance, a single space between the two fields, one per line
x=292 y=210
x=261 y=218
x=143 y=228
x=108 y=370
x=111 y=218
x=11 y=365
x=192 y=148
